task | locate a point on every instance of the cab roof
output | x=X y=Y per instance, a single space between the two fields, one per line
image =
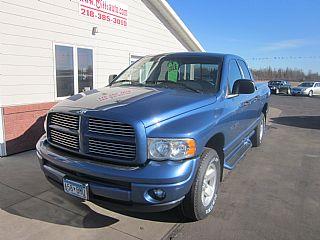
x=199 y=54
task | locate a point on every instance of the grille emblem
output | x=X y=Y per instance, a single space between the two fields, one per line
x=82 y=111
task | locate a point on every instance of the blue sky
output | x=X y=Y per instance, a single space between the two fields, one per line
x=257 y=29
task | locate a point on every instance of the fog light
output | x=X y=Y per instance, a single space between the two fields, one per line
x=157 y=194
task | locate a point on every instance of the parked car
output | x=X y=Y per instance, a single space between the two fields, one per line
x=159 y=135
x=307 y=89
x=279 y=86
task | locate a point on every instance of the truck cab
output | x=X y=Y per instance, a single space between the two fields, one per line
x=159 y=135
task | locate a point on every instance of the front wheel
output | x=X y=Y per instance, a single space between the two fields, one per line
x=200 y=200
x=310 y=94
x=277 y=91
x=289 y=91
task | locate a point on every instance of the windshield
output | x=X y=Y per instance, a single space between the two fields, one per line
x=199 y=74
x=306 y=84
x=274 y=82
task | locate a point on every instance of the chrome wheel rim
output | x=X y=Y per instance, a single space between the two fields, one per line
x=209 y=184
x=261 y=129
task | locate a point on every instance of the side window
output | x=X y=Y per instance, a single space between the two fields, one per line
x=245 y=69
x=233 y=75
x=74 y=70
x=64 y=71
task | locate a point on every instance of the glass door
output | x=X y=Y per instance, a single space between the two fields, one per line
x=85 y=69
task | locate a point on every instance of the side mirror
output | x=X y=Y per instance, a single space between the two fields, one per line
x=112 y=76
x=243 y=86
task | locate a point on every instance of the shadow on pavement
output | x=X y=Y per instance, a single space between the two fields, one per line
x=169 y=216
x=309 y=122
x=54 y=206
x=57 y=210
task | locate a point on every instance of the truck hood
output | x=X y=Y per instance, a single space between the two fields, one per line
x=147 y=104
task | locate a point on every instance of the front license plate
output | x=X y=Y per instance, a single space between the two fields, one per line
x=80 y=190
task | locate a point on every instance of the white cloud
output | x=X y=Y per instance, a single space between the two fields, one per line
x=285 y=44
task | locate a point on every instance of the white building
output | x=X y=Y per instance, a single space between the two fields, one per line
x=53 y=49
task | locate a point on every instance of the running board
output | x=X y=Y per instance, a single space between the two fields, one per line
x=238 y=154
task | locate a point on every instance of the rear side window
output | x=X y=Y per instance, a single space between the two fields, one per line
x=234 y=75
x=245 y=69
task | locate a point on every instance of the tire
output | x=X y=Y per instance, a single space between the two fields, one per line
x=310 y=94
x=257 y=137
x=277 y=91
x=289 y=91
x=196 y=205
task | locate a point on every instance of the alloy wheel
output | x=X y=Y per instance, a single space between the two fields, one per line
x=209 y=184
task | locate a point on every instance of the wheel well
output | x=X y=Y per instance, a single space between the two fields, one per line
x=217 y=143
x=265 y=110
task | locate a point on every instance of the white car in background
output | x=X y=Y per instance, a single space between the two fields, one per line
x=307 y=89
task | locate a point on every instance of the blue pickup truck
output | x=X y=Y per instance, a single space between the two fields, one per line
x=159 y=135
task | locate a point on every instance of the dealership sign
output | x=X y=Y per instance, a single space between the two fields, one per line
x=109 y=11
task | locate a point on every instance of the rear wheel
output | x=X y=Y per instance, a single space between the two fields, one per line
x=257 y=137
x=200 y=200
x=310 y=94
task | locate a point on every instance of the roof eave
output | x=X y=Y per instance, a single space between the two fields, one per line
x=172 y=21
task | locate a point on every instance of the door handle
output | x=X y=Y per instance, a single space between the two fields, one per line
x=246 y=103
x=256 y=98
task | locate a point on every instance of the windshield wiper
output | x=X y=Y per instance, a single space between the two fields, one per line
x=120 y=81
x=133 y=83
x=176 y=83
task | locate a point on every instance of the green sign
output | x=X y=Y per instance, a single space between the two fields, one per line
x=173 y=71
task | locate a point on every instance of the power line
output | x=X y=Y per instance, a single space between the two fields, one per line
x=283 y=58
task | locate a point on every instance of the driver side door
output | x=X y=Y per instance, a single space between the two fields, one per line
x=236 y=119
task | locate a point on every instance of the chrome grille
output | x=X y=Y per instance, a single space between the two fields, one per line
x=64 y=139
x=110 y=128
x=64 y=120
x=103 y=140
x=117 y=150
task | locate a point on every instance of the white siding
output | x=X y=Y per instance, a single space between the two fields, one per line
x=30 y=29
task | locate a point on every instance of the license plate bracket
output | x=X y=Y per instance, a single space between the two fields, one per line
x=75 y=188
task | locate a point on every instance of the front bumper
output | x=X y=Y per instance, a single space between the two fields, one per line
x=120 y=186
x=298 y=92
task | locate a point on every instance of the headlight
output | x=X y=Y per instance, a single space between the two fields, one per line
x=45 y=123
x=171 y=149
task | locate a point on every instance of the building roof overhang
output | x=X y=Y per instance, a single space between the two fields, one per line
x=171 y=20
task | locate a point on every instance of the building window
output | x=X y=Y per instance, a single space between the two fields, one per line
x=64 y=71
x=85 y=69
x=72 y=76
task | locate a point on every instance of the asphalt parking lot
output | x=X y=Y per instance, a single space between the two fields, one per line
x=272 y=194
